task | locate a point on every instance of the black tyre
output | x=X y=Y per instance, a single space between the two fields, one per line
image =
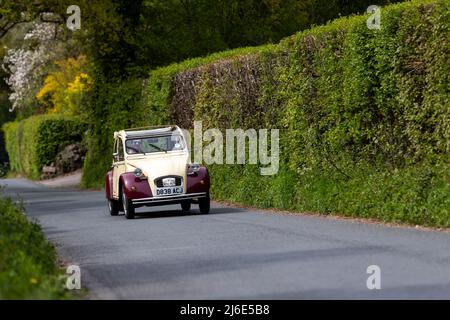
x=186 y=205
x=114 y=207
x=203 y=204
x=128 y=207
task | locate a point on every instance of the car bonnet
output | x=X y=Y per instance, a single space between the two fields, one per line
x=161 y=164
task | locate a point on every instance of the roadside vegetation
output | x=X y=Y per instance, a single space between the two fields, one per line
x=34 y=142
x=28 y=265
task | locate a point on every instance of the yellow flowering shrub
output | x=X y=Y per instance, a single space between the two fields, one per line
x=63 y=88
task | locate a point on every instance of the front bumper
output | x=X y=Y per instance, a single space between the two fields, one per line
x=158 y=201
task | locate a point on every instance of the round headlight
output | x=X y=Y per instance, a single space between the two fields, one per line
x=138 y=173
x=195 y=167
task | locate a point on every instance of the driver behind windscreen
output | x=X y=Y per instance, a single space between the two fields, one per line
x=134 y=147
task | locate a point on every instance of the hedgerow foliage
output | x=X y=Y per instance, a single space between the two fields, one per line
x=34 y=142
x=364 y=114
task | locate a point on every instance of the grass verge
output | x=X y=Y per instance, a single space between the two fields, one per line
x=28 y=262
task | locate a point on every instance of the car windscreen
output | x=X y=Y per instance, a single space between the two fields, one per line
x=154 y=144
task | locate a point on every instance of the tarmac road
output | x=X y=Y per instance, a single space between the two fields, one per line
x=233 y=253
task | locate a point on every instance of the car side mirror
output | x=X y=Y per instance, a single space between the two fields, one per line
x=115 y=156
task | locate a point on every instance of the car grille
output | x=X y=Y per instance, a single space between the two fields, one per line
x=159 y=181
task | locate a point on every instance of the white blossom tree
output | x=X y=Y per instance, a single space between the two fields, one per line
x=28 y=64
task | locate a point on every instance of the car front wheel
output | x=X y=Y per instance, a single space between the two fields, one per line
x=113 y=206
x=204 y=205
x=128 y=207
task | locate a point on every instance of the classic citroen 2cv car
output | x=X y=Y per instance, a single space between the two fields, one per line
x=152 y=167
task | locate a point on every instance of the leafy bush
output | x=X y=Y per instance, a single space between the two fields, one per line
x=34 y=142
x=28 y=266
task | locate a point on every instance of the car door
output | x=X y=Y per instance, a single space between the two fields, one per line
x=118 y=166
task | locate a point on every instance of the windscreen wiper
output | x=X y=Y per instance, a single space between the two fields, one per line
x=157 y=147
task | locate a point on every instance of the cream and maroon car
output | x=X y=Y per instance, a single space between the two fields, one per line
x=151 y=168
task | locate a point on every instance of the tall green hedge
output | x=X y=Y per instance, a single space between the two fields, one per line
x=34 y=142
x=364 y=115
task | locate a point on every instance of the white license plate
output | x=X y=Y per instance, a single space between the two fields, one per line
x=169 y=191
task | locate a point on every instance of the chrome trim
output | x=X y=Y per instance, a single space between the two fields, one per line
x=186 y=196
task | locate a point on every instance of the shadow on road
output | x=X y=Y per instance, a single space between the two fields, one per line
x=179 y=213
